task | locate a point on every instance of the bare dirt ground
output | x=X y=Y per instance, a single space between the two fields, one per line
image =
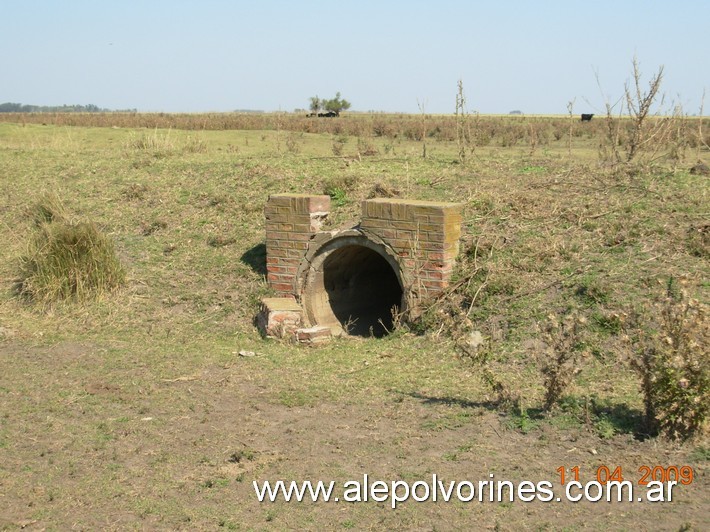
x=85 y=447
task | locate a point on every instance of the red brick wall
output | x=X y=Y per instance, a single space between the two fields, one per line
x=424 y=234
x=291 y=221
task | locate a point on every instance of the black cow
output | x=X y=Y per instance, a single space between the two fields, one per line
x=587 y=117
x=329 y=114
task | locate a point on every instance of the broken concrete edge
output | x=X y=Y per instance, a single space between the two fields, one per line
x=282 y=317
x=279 y=316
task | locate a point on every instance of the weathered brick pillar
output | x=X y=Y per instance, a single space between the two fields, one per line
x=424 y=234
x=291 y=221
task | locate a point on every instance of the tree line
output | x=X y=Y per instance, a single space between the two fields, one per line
x=10 y=107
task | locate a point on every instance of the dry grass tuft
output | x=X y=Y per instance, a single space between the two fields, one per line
x=48 y=209
x=66 y=260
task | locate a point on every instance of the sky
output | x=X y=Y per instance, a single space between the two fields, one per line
x=383 y=55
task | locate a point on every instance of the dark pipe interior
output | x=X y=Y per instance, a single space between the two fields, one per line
x=362 y=290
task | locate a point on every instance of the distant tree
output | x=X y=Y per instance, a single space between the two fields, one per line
x=316 y=104
x=333 y=106
x=337 y=104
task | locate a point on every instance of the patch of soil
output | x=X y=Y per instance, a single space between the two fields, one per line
x=183 y=454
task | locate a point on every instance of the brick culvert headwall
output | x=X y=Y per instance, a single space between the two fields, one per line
x=355 y=279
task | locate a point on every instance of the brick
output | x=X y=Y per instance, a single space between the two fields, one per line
x=441 y=237
x=307 y=203
x=305 y=237
x=300 y=218
x=436 y=246
x=278 y=200
x=275 y=218
x=375 y=222
x=301 y=203
x=404 y=233
x=430 y=227
x=439 y=218
x=431 y=285
x=435 y=275
x=276 y=235
x=302 y=228
x=289 y=249
x=406 y=225
x=400 y=211
x=313 y=335
x=386 y=233
x=409 y=264
x=274 y=253
x=290 y=245
x=283 y=269
x=281 y=286
x=280 y=304
x=398 y=244
x=282 y=278
x=423 y=211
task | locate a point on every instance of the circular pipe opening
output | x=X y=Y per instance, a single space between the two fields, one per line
x=355 y=289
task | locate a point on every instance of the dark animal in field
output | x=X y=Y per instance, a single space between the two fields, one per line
x=700 y=169
x=587 y=117
x=329 y=114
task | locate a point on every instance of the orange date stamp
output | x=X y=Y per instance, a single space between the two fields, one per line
x=604 y=474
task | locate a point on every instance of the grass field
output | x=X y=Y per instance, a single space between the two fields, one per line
x=135 y=411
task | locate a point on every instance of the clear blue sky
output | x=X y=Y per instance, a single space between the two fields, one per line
x=382 y=55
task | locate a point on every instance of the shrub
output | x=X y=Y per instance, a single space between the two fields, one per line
x=292 y=143
x=366 y=148
x=68 y=261
x=674 y=366
x=564 y=339
x=338 y=144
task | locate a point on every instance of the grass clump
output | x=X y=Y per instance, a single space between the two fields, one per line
x=67 y=260
x=48 y=209
x=155 y=142
x=338 y=187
